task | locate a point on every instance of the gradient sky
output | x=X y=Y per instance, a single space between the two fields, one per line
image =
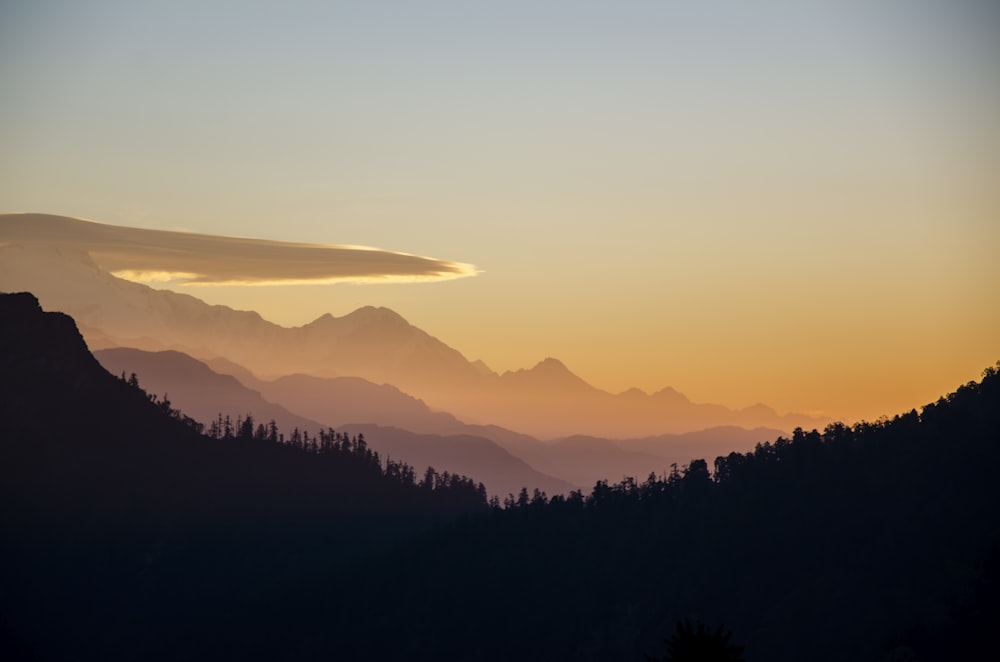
x=791 y=202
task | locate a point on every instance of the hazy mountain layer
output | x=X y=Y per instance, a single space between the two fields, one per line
x=408 y=430
x=466 y=454
x=197 y=390
x=203 y=394
x=376 y=344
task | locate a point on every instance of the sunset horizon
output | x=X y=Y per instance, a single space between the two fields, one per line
x=128 y=254
x=524 y=330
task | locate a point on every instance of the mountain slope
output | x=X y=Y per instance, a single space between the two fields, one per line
x=203 y=394
x=408 y=430
x=376 y=344
x=198 y=391
x=710 y=442
x=134 y=537
x=467 y=454
x=869 y=543
x=55 y=397
x=341 y=400
x=585 y=460
x=372 y=341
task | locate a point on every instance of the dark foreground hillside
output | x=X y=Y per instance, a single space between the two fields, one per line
x=128 y=535
x=877 y=542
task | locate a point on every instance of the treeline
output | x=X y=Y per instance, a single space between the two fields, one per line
x=876 y=541
x=130 y=535
x=327 y=443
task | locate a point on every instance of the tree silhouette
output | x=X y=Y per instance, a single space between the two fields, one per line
x=113 y=510
x=689 y=644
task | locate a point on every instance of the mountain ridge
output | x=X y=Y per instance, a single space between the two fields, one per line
x=374 y=343
x=349 y=402
x=346 y=404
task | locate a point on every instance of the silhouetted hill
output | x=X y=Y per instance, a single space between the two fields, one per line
x=467 y=454
x=344 y=403
x=356 y=400
x=711 y=442
x=47 y=368
x=197 y=390
x=129 y=535
x=351 y=403
x=584 y=460
x=874 y=542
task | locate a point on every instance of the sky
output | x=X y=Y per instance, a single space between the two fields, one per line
x=789 y=202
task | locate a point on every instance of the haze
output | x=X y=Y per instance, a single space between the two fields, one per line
x=794 y=203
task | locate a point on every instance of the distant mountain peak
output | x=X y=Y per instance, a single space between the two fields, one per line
x=552 y=366
x=379 y=315
x=365 y=316
x=546 y=373
x=670 y=393
x=760 y=409
x=378 y=312
x=548 y=368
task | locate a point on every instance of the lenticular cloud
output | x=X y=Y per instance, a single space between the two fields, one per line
x=200 y=259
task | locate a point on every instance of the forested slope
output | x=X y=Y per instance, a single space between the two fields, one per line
x=872 y=542
x=129 y=535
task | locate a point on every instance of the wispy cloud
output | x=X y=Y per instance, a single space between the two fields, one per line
x=157 y=256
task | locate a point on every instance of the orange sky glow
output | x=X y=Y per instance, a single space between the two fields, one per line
x=789 y=204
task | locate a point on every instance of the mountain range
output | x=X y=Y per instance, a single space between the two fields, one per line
x=405 y=431
x=546 y=401
x=134 y=537
x=404 y=428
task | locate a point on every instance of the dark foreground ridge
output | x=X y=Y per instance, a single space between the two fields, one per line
x=128 y=535
x=872 y=542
